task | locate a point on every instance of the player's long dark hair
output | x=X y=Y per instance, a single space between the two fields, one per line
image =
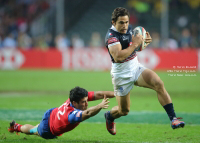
x=77 y=93
x=120 y=11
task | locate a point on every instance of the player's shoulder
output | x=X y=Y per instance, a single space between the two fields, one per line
x=69 y=106
x=75 y=112
x=111 y=33
x=75 y=116
x=112 y=37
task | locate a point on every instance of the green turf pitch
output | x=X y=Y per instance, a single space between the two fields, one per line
x=26 y=94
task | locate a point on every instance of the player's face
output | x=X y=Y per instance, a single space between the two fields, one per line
x=122 y=24
x=83 y=103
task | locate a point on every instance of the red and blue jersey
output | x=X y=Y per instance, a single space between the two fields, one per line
x=66 y=117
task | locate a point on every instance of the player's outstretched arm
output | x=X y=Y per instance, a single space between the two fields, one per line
x=100 y=94
x=95 y=109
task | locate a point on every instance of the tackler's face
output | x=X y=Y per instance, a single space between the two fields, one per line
x=122 y=24
x=83 y=104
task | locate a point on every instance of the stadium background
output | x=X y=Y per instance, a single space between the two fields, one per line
x=48 y=47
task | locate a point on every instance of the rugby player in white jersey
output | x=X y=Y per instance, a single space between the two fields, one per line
x=126 y=71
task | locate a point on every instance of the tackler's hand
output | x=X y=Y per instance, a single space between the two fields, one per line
x=104 y=103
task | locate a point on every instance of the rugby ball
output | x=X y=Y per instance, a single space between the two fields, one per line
x=141 y=31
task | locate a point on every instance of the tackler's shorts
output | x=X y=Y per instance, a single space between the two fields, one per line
x=124 y=75
x=43 y=128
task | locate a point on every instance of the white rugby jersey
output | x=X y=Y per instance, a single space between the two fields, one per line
x=113 y=37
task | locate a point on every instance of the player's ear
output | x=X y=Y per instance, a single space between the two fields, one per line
x=74 y=103
x=113 y=23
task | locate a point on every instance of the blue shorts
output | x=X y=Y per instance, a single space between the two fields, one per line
x=43 y=128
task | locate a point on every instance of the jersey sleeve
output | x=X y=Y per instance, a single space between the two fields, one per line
x=91 y=96
x=75 y=116
x=112 y=39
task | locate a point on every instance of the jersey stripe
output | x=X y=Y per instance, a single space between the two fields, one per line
x=132 y=56
x=112 y=40
x=113 y=44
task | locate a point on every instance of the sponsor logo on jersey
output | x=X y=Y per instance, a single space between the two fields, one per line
x=124 y=38
x=74 y=112
x=78 y=114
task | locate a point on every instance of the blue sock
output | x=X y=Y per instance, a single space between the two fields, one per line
x=170 y=111
x=109 y=116
x=34 y=130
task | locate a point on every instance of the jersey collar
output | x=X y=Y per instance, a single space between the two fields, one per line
x=74 y=107
x=71 y=105
x=113 y=28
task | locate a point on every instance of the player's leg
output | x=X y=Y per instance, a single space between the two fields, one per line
x=27 y=128
x=150 y=79
x=123 y=83
x=121 y=110
x=123 y=106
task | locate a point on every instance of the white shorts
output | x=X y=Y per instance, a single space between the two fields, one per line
x=123 y=78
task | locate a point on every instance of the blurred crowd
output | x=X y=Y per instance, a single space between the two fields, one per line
x=184 y=23
x=186 y=38
x=62 y=42
x=17 y=15
x=15 y=19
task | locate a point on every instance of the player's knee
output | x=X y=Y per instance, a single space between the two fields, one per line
x=159 y=85
x=124 y=112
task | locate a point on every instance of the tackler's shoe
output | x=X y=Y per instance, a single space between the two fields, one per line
x=14 y=127
x=176 y=123
x=111 y=127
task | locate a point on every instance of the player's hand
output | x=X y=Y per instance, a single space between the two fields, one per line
x=104 y=103
x=148 y=39
x=137 y=40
